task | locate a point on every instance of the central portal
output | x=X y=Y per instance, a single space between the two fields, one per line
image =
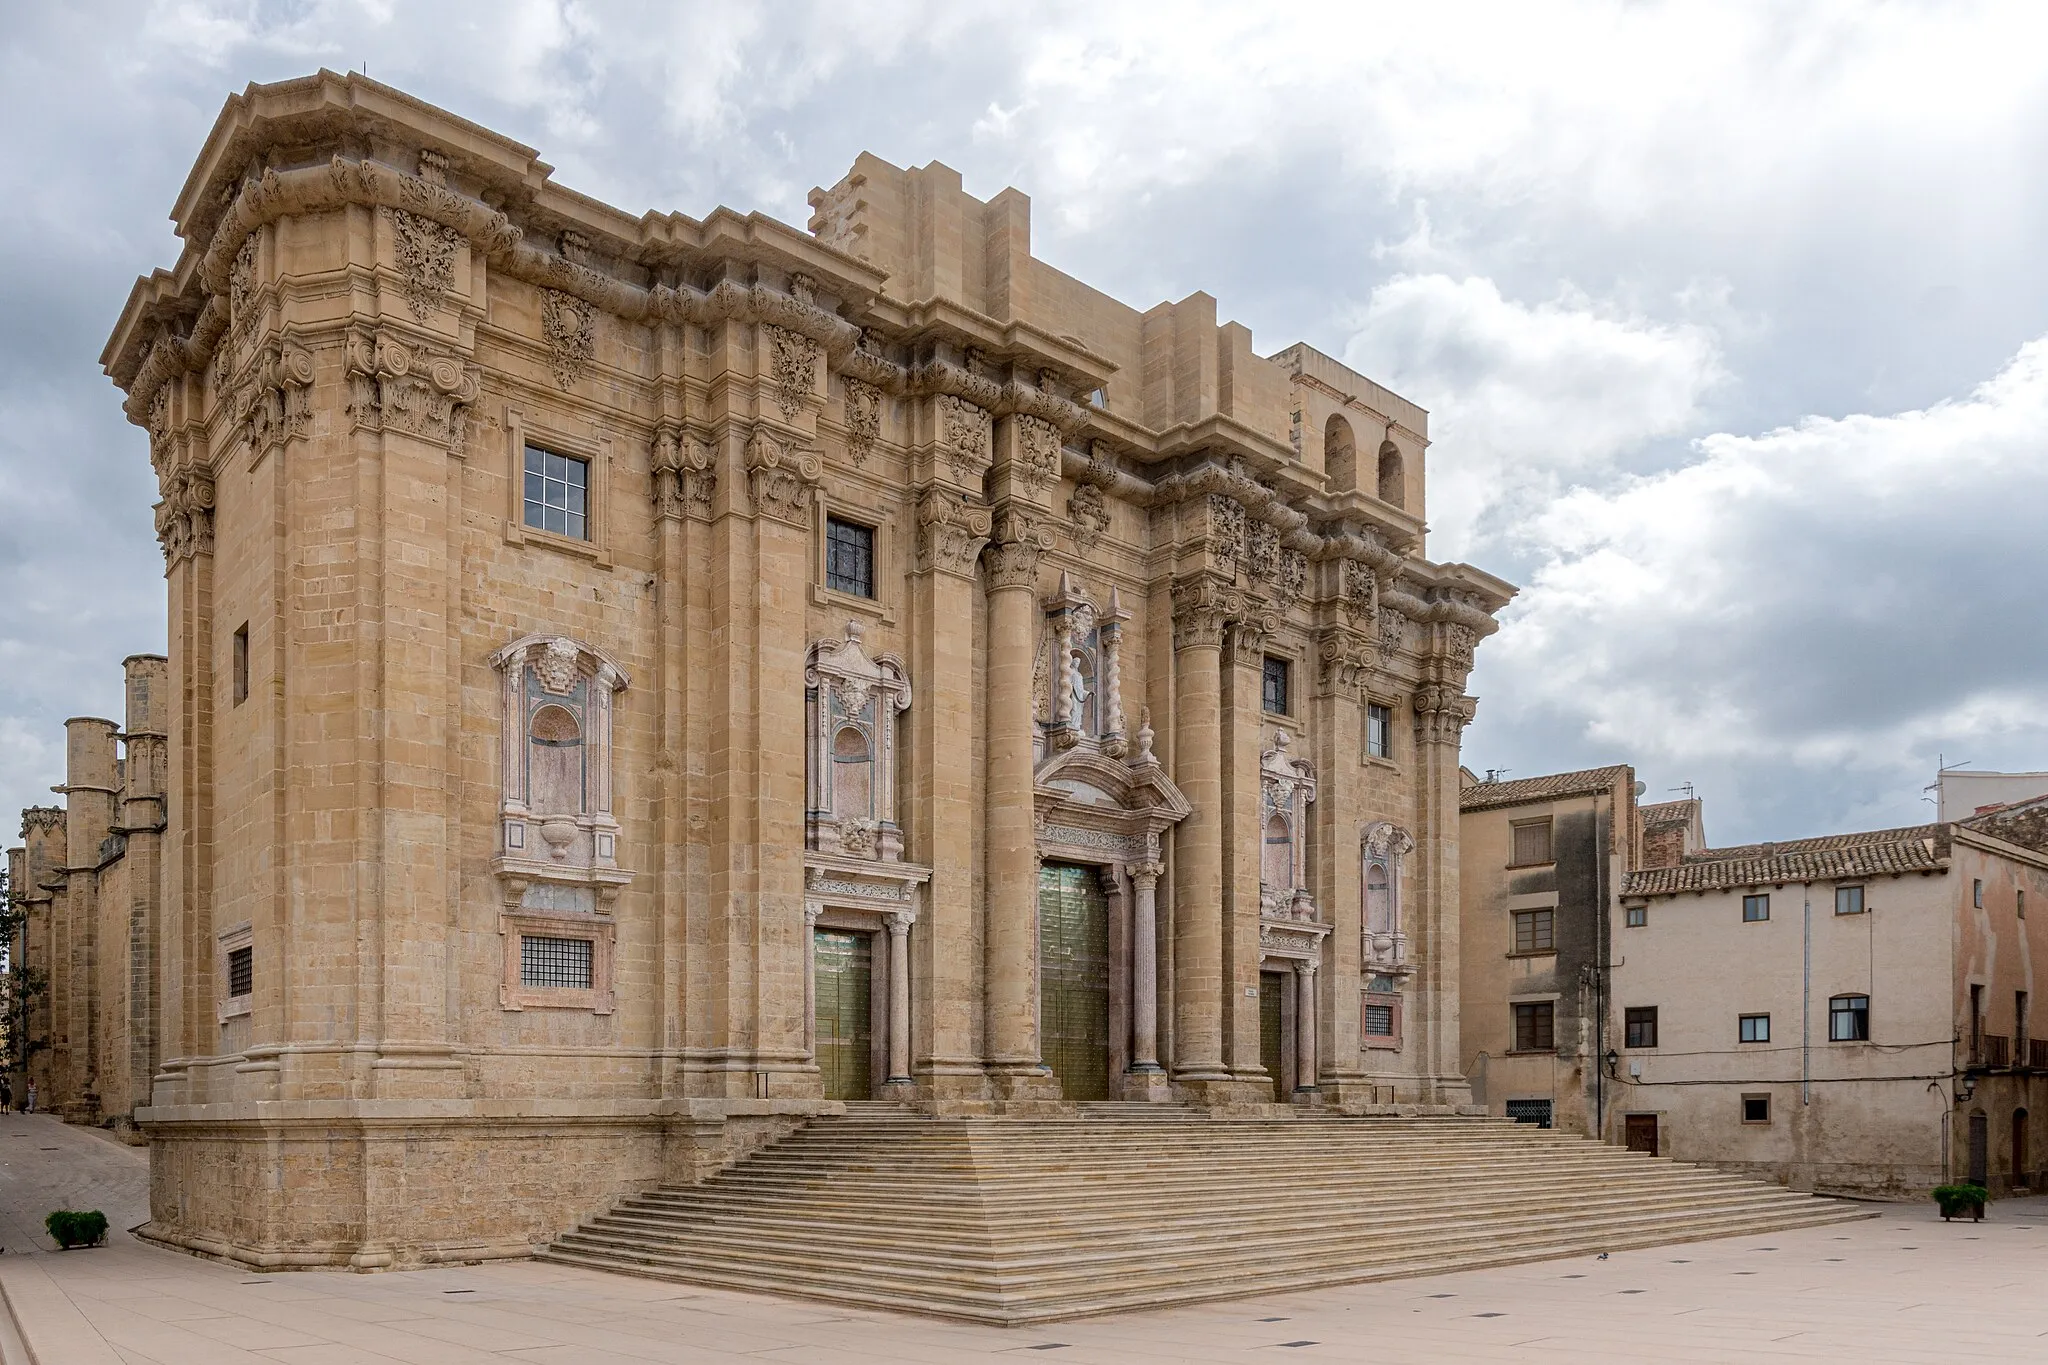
x=1073 y=979
x=845 y=1018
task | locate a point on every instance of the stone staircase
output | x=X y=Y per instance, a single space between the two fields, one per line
x=1018 y=1220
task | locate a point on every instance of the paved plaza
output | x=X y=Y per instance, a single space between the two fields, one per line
x=1901 y=1287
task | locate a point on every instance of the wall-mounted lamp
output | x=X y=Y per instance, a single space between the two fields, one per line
x=1613 y=1061
x=1966 y=1089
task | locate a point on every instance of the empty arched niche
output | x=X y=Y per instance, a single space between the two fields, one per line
x=554 y=772
x=1340 y=455
x=1393 y=477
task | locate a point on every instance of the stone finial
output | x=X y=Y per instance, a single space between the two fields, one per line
x=1145 y=736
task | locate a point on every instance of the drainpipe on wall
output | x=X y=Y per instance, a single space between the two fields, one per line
x=1806 y=1001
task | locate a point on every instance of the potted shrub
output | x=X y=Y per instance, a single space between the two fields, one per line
x=69 y=1228
x=1957 y=1200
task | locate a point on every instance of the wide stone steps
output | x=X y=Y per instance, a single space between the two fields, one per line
x=1024 y=1220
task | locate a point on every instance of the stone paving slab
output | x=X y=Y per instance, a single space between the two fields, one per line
x=1902 y=1287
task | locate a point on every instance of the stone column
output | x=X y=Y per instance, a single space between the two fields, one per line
x=1201 y=608
x=1305 y=1026
x=1145 y=966
x=1243 y=735
x=89 y=796
x=899 y=1000
x=1441 y=714
x=1011 y=936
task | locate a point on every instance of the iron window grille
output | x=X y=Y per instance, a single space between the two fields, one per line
x=1535 y=1027
x=1379 y=1021
x=1754 y=1028
x=1849 y=1019
x=1535 y=931
x=1530 y=1111
x=1755 y=908
x=554 y=963
x=1641 y=1024
x=1379 y=730
x=241 y=972
x=849 y=557
x=557 y=494
x=1273 y=690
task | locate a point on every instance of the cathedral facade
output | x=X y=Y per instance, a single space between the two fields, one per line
x=636 y=682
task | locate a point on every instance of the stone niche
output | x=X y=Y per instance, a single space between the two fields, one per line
x=851 y=705
x=1385 y=847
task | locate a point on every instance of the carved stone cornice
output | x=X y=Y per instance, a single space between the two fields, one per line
x=1203 y=608
x=950 y=532
x=397 y=384
x=863 y=405
x=684 y=479
x=780 y=477
x=184 y=519
x=1019 y=545
x=43 y=818
x=1442 y=712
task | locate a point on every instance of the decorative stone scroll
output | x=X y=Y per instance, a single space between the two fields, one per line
x=851 y=704
x=1038 y=447
x=558 y=848
x=1384 y=848
x=780 y=476
x=568 y=328
x=950 y=532
x=184 y=519
x=965 y=436
x=863 y=418
x=1442 y=712
x=395 y=385
x=1088 y=511
x=277 y=405
x=684 y=480
x=425 y=251
x=795 y=360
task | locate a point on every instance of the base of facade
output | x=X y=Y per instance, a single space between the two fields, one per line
x=382 y=1185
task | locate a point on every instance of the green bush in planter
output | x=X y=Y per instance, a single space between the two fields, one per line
x=69 y=1228
x=1956 y=1200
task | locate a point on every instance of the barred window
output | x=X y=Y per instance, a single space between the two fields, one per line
x=1379 y=730
x=241 y=972
x=563 y=963
x=1534 y=931
x=1379 y=1021
x=1274 y=686
x=849 y=557
x=557 y=493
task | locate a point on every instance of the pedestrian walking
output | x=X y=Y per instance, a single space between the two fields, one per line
x=30 y=1107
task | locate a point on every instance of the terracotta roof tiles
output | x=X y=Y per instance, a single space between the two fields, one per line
x=1523 y=790
x=1833 y=857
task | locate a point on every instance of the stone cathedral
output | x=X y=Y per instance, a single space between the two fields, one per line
x=637 y=682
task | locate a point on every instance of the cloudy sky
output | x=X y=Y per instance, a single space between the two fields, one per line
x=1732 y=319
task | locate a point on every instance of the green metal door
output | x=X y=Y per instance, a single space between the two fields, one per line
x=845 y=1019
x=1272 y=990
x=1073 y=979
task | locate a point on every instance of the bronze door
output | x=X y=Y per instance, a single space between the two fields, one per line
x=1640 y=1133
x=1272 y=992
x=845 y=1017
x=1073 y=979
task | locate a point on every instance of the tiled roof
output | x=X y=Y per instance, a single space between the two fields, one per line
x=2019 y=822
x=1666 y=812
x=1523 y=790
x=1832 y=857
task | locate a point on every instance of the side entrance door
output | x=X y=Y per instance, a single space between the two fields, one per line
x=1073 y=979
x=1639 y=1132
x=845 y=1018
x=1272 y=1026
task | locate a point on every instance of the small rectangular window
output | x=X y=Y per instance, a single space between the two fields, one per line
x=1977 y=892
x=1755 y=1028
x=1848 y=900
x=241 y=972
x=1636 y=916
x=1534 y=931
x=1273 y=686
x=557 y=493
x=1849 y=1019
x=1756 y=1108
x=1532 y=842
x=554 y=962
x=1755 y=908
x=1379 y=1021
x=1379 y=730
x=1642 y=1026
x=1534 y=1027
x=241 y=664
x=849 y=557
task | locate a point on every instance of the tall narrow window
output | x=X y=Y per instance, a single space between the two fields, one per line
x=1273 y=695
x=1755 y=908
x=1379 y=730
x=241 y=972
x=1849 y=1019
x=1848 y=900
x=557 y=493
x=241 y=664
x=1641 y=1023
x=1976 y=1022
x=849 y=557
x=1532 y=842
x=1977 y=893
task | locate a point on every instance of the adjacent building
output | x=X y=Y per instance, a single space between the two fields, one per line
x=636 y=681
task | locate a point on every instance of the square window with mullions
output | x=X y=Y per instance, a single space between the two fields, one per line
x=1641 y=1023
x=241 y=972
x=1535 y=1027
x=1534 y=931
x=1273 y=686
x=1755 y=908
x=554 y=963
x=557 y=496
x=849 y=557
x=1753 y=1028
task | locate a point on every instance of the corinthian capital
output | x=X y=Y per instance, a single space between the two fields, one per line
x=1442 y=712
x=1020 y=543
x=1202 y=611
x=950 y=532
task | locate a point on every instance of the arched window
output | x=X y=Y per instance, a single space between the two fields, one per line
x=1379 y=899
x=1340 y=455
x=1393 y=479
x=852 y=775
x=554 y=770
x=1276 y=869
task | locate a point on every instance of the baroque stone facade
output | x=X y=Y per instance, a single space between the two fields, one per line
x=638 y=681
